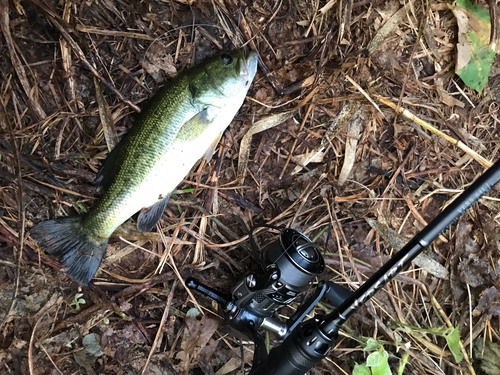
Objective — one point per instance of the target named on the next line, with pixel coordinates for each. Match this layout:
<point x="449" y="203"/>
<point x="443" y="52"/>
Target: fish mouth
<point x="249" y="66"/>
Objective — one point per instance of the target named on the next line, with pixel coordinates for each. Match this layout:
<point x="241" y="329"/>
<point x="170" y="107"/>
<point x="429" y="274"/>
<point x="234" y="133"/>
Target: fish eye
<point x="226" y="59"/>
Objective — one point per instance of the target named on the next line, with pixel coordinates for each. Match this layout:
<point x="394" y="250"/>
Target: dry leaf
<point x="157" y="55"/>
<point x="259" y="126"/>
<point x="197" y="335"/>
<point x="489" y="302"/>
<point x="397" y="241"/>
<point x="107" y="123"/>
<point x="353" y="135"/>
<point x="389" y="27"/>
<point x="308" y="157"/>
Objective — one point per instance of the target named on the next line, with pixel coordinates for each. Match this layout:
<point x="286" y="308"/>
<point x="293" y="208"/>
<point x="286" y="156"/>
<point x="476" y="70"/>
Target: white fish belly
<point x="183" y="155"/>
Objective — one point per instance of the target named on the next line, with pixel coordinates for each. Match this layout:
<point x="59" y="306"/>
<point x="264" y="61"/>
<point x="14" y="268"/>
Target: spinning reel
<point x="289" y="266"/>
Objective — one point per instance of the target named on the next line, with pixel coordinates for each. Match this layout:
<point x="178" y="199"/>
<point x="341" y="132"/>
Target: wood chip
<point x="353" y="134"/>
<point x="108" y="126"/>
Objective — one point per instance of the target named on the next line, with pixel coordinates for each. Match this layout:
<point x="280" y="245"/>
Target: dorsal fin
<point x="109" y="170"/>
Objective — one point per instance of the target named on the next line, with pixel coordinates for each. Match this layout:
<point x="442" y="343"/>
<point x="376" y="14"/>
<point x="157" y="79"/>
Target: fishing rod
<point x="289" y="265"/>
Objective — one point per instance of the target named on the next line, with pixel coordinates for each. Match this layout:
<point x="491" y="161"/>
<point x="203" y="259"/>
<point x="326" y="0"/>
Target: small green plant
<point x="475" y="54"/>
<point x="184" y="191"/>
<point x="452" y="336"/>
<point x="77" y="301"/>
<point x="80" y="206"/>
<point x="377" y="362"/>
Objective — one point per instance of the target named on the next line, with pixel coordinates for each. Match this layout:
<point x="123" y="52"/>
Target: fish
<point x="180" y="124"/>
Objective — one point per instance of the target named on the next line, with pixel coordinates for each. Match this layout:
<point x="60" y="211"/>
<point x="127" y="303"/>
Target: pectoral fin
<point x="211" y="150"/>
<point x="148" y="217"/>
<point x="194" y="127"/>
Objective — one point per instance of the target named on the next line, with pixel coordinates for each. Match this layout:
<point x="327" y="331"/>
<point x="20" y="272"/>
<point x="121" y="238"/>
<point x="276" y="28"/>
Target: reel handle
<point x="337" y="294"/>
<point x="221" y="299"/>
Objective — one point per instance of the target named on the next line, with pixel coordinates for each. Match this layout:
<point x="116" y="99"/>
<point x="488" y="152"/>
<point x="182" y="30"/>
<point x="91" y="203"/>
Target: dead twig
<point x="406" y="113"/>
<point x="16" y="61"/>
<point x="20" y="194"/>
<point x="304" y="120"/>
<point x="115" y="33"/>
<point x="78" y="51"/>
<point x="159" y="332"/>
<point x="30" y="348"/>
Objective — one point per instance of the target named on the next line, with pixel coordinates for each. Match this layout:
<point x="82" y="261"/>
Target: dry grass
<point x="74" y="73"/>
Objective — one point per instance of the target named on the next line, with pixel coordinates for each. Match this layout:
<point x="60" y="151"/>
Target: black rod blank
<point x="402" y="259"/>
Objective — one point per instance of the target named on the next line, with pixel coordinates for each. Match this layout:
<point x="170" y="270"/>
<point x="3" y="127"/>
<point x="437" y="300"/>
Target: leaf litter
<point x="292" y="157"/>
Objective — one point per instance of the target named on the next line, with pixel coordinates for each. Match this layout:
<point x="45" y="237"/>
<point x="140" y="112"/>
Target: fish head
<point x="225" y="79"/>
<point x="231" y="72"/>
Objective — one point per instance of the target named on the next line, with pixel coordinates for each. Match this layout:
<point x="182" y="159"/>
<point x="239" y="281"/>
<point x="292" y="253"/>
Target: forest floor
<point x="331" y="161"/>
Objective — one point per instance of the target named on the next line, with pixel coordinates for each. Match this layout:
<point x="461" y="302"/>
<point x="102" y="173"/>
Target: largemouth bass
<point x="180" y="124"/>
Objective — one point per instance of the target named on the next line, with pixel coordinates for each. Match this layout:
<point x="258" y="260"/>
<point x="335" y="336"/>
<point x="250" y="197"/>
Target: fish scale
<point x="176" y="128"/>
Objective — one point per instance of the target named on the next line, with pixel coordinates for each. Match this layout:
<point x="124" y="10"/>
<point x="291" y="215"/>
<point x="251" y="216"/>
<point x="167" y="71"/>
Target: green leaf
<point x="398" y="339"/>
<point x="443" y="331"/>
<point x="361" y="370"/>
<point x="474" y="54"/>
<point x="379" y="363"/>
<point x="402" y="364"/>
<point x="193" y="312"/>
<point x="77" y="301"/>
<point x="371" y="345"/>
<point x="376" y="358"/>
<point x="383" y="369"/>
<point x="81" y="207"/>
<point x="87" y="357"/>
<point x="453" y="340"/>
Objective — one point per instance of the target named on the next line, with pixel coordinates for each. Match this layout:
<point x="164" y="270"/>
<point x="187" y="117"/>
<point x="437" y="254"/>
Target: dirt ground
<point x="332" y="162"/>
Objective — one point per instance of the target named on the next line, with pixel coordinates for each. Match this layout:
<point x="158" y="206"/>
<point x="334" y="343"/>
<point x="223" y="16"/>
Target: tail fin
<point x="78" y="252"/>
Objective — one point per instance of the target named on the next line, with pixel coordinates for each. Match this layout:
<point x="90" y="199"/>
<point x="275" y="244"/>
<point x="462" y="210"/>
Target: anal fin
<point x="148" y="217"/>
